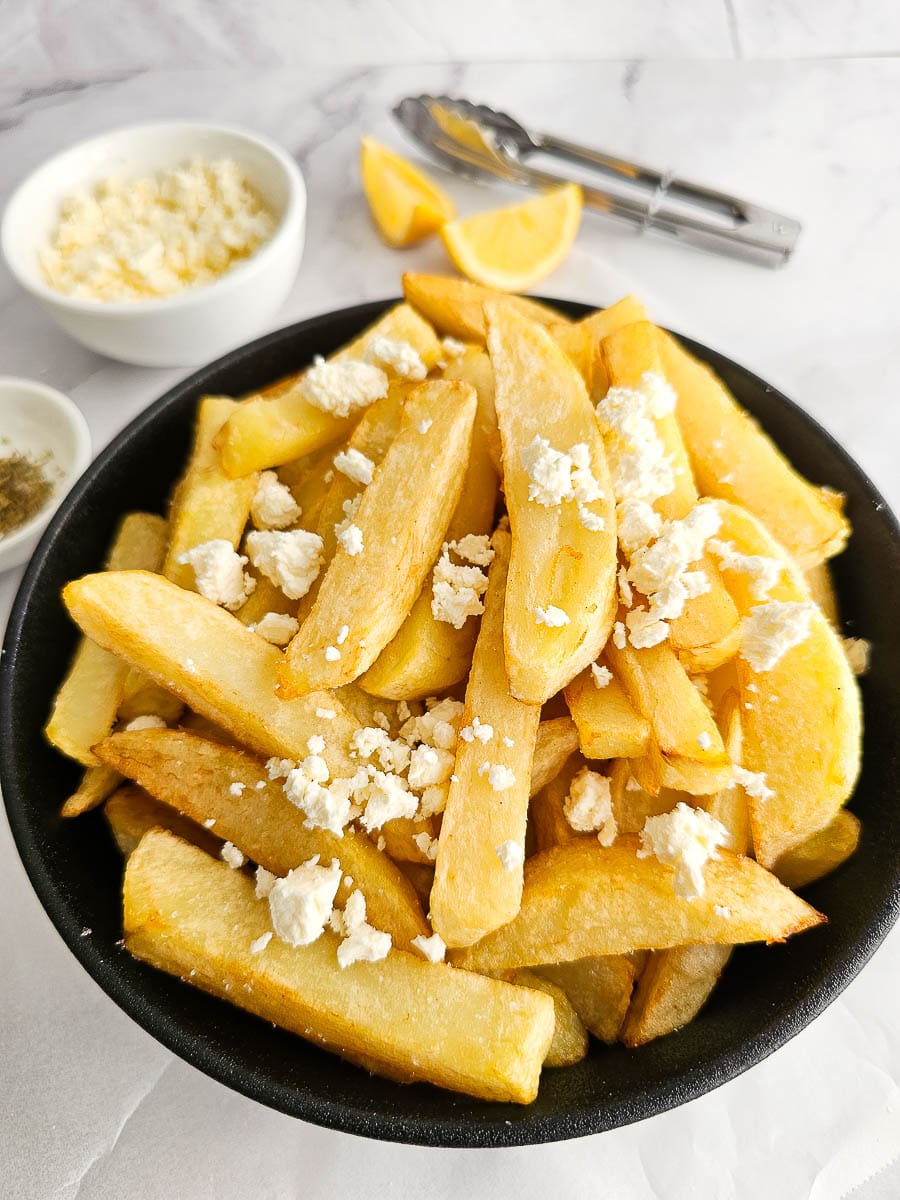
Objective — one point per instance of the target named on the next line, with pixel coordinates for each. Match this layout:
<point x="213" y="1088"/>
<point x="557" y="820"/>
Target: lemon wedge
<point x="406" y="206"/>
<point x="512" y="248"/>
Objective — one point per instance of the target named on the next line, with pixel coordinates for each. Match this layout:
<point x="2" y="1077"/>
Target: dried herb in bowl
<point x="24" y="489"/>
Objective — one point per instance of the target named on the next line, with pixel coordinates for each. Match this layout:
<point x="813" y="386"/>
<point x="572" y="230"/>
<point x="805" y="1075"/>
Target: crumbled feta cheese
<point x="386" y="796"/>
<point x="332" y="654"/>
<point x="508" y="742"/>
<point x="551" y="616"/>
<point x="753" y="783"/>
<point x="645" y="629"/>
<point x="392" y="755"/>
<point x="428" y="766"/>
<point x="602" y="675"/>
<point x="276" y="628"/>
<point x="326" y="714"/>
<point x="499" y="777"/>
<point x="231" y="855"/>
<point x="315" y="744"/>
<point x="434" y="798"/>
<point x="478" y="729"/>
<point x="638" y="524"/>
<point x="704" y="741"/>
<point x="588" y="806"/>
<point x="381" y="719"/>
<point x="555" y="477"/>
<point x="351" y="538"/>
<point x="402" y="358"/>
<point x="770" y="630"/>
<point x="355" y="465"/>
<point x="425" y="424"/>
<point x="661" y="570"/>
<point x="632" y="785"/>
<point x="324" y="806"/>
<point x="156" y="235"/>
<point x="273" y="506"/>
<point x="364" y="944"/>
<point x="301" y="902"/>
<point x="511" y="854"/>
<point x="685" y="838"/>
<point x="857" y="651"/>
<point x="626" y="595"/>
<point x="291" y="559"/>
<point x="219" y="573"/>
<point x="259" y="944"/>
<point x="209" y="822"/>
<point x="342" y="634"/>
<point x="453" y="348"/>
<point x="279" y="768"/>
<point x="150" y="721"/>
<point x="344" y="386"/>
<point x="237" y="789"/>
<point x="764" y="572"/>
<point x="456" y="590"/>
<point x="350" y="508"/>
<point x="639" y="465"/>
<point x="618" y="635"/>
<point x="427" y="844"/>
<point x="432" y="948"/>
<point x="437" y="727"/>
<point x="474" y="548"/>
<point x="722" y="910"/>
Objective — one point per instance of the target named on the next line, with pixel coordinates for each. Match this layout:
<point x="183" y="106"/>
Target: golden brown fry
<point x="131" y="812"/>
<point x="475" y="890"/>
<point x="570" y="1039"/>
<point x="403" y="516"/>
<point x="599" y="990"/>
<point x="556" y="739"/>
<point x="206" y="657"/>
<point x="144" y="698"/>
<point x="556" y="561"/>
<point x="821" y="588"/>
<point x="193" y="776"/>
<point x="268" y="430"/>
<point x="86" y="704"/>
<point x="456" y="307"/>
<point x="631" y="805"/>
<point x="474" y="367"/>
<point x="583" y="899"/>
<point x="96" y="784"/>
<point x="546" y="813"/>
<point x="729" y="806"/>
<point x="421" y="876"/>
<point x="402" y="1016"/>
<point x="724" y="442"/>
<point x="671" y="990"/>
<point x="206" y="504"/>
<point x="608" y="726"/>
<point x="400" y="839"/>
<point x="821" y="853"/>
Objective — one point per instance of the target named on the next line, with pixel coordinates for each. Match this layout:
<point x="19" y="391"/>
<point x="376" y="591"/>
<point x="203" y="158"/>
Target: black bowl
<point x="767" y="994"/>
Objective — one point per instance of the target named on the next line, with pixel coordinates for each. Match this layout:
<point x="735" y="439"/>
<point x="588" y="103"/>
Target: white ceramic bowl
<point x="192" y="326"/>
<point x="37" y="420"/>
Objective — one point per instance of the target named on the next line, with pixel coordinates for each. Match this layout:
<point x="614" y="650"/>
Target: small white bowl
<point x="192" y="326"/>
<point x="37" y="420"/>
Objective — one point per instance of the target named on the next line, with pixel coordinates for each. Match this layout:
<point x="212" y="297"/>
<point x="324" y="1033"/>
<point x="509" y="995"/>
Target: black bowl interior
<point x="767" y="994"/>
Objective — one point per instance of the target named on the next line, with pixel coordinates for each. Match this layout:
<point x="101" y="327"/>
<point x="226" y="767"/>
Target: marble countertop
<point x="734" y="94"/>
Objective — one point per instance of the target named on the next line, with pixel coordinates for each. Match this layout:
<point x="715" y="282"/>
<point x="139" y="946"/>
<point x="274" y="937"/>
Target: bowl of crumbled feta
<point x="160" y="244"/>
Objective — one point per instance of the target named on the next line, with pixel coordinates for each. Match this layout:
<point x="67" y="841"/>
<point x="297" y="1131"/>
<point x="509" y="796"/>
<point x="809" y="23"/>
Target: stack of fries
<point x="479" y="692"/>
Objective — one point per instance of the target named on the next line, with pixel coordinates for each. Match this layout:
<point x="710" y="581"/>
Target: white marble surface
<point x="91" y="1106"/>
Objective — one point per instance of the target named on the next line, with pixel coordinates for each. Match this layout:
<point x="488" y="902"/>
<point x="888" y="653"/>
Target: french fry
<point x="706" y="634"/>
<point x="403" y="516"/>
<point x="96" y="784"/>
<point x="576" y="339"/>
<point x="583" y="899"/>
<point x="207" y="504"/>
<point x="608" y="726"/>
<point x="308" y="479"/>
<point x="86" y="704"/>
<point x="802" y="720"/>
<point x="546" y="812"/>
<point x="426" y="656"/>
<point x="685" y="750"/>
<point x="131" y="812"/>
<point x="556" y="561"/>
<point x="599" y="989"/>
<point x="400" y="839"/>
<point x="570" y="1040"/>
<point x="724" y="442"/>
<point x="267" y="431"/>
<point x="556" y="739"/>
<point x="206" y="657"/>
<point x="144" y="698"/>
<point x="821" y="588"/>
<point x="455" y="307"/>
<point x="474" y="367"/>
<point x="729" y="806"/>
<point x="403" y="1016"/>
<point x="421" y="876"/>
<point x="598" y="325"/>
<point x="193" y="776"/>
<point x="474" y="890"/>
<point x="266" y="597"/>
<point x="821" y="853"/>
<point x="631" y="805"/>
<point x="368" y="710"/>
<point x="672" y="988"/>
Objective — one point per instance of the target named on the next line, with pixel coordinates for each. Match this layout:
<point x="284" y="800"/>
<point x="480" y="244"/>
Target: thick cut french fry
<point x="131" y="812"/>
<point x="404" y="1017"/>
<point x="672" y="988"/>
<point x="821" y="853"/>
<point x="368" y="710"/>
<point x="400" y="836"/>
<point x="821" y="588"/>
<point x="631" y="805"/>
<point x="725" y="443"/>
<point x="599" y="990"/>
<point x="556" y="739"/>
<point x="96" y="784"/>
<point x="706" y="634"/>
<point x="266" y="597"/>
<point x="86" y="704"/>
<point x="144" y="698"/>
<point x="598" y="325"/>
<point x="206" y="504"/>
<point x="476" y="886"/>
<point x="802" y="719"/>
<point x="474" y="367"/>
<point x="546" y="812"/>
<point x="308" y="479"/>
<point x="578" y="343"/>
<point x="583" y="899"/>
<point x="207" y="658"/>
<point x="608" y="726"/>
<point x="729" y="806"/>
<point x="427" y="656"/>
<point x="267" y="431"/>
<point x="570" y="1039"/>
<point x="193" y="776"/>
<point x="402" y="519"/>
<point x="421" y="876"/>
<point x="455" y="307"/>
<point x="556" y="563"/>
<point x="686" y="750"/>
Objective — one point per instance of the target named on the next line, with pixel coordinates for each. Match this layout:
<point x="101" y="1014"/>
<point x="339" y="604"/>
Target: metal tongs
<point x="475" y="141"/>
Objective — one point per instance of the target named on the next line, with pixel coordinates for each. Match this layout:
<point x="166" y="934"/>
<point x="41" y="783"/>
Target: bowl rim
<point x="657" y="1096"/>
<point x="192" y="297"/>
<point x="81" y="459"/>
